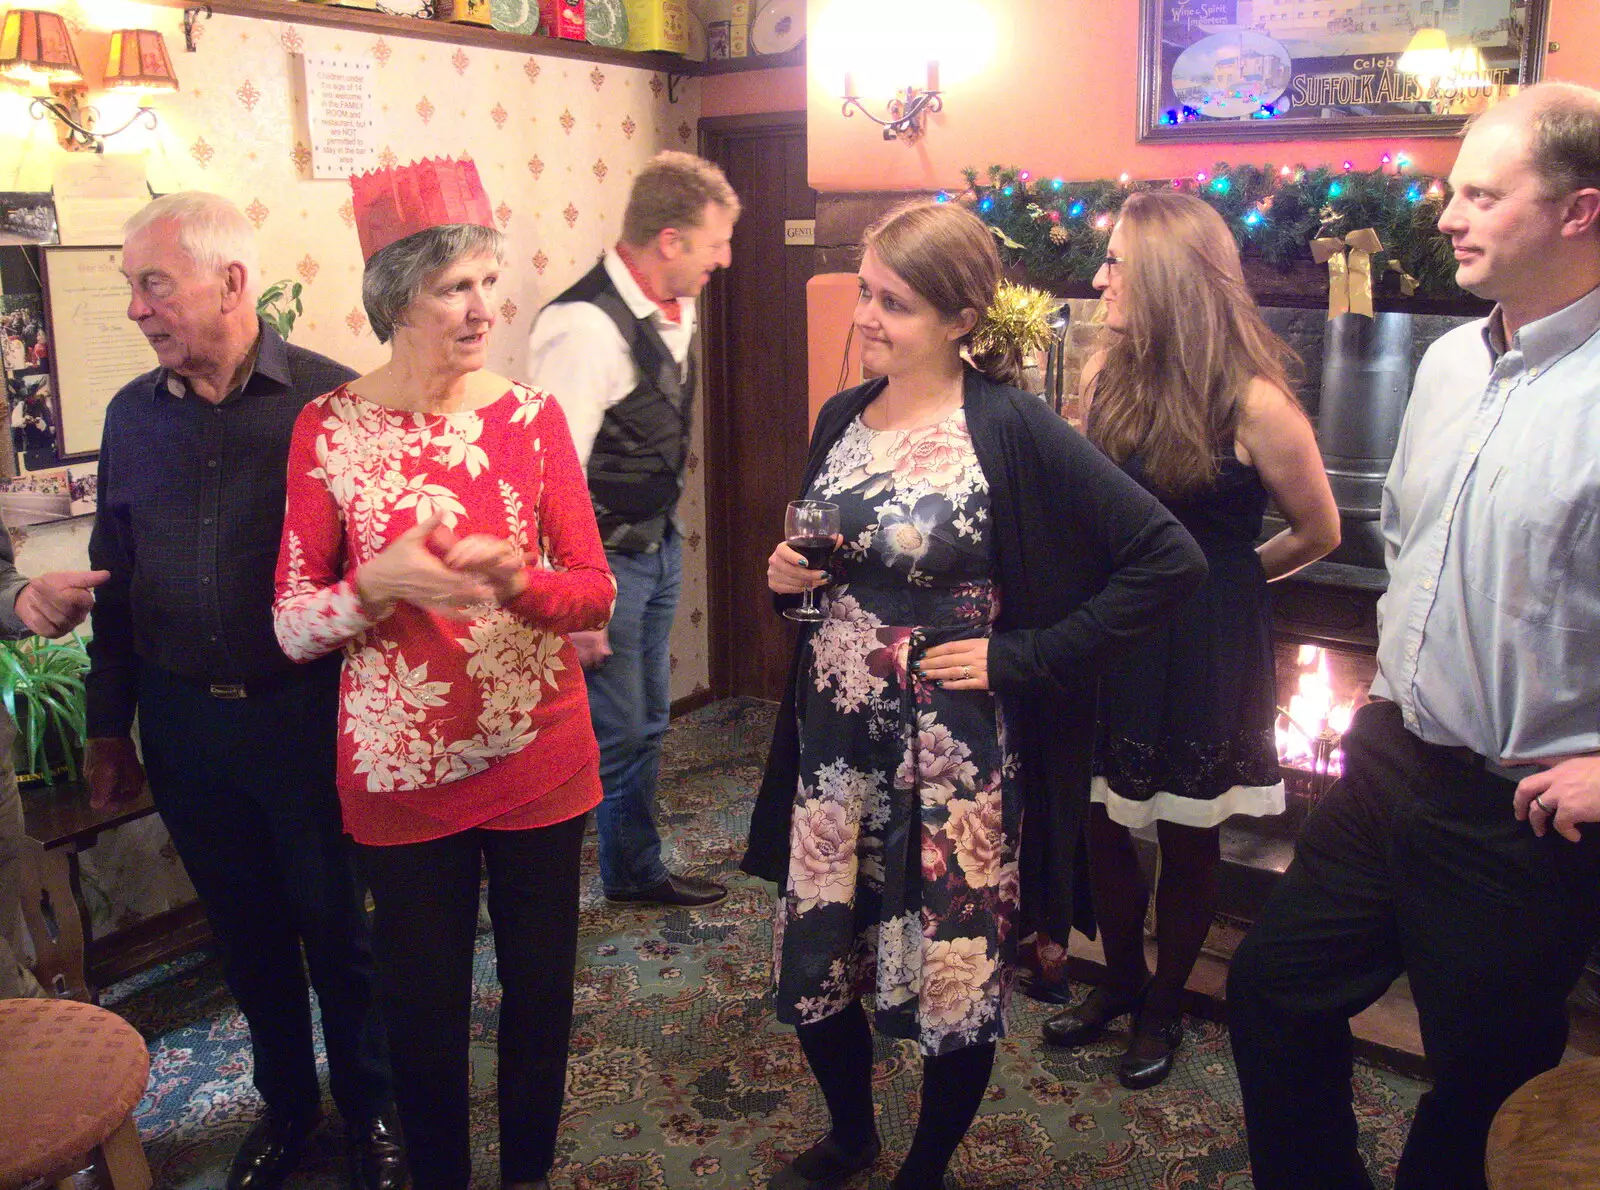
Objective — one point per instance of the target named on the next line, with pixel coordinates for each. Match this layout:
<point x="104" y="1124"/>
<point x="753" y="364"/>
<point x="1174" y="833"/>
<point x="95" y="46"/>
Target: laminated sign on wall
<point x="339" y="109"/>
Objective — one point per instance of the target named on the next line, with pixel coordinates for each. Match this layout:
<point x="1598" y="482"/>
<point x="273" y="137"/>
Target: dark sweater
<point x="1087" y="561"/>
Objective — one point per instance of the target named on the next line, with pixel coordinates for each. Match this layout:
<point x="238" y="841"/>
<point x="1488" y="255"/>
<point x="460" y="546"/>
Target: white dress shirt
<point x="577" y="354"/>
<point x="1489" y="632"/>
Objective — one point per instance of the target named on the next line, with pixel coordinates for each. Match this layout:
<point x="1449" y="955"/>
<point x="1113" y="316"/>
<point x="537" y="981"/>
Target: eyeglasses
<point x="1111" y="261"/>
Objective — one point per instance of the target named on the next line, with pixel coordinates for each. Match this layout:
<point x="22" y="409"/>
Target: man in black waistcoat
<point x="238" y="741"/>
<point x="614" y="350"/>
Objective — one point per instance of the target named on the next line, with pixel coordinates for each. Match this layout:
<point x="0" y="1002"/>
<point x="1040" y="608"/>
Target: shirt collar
<point x="1545" y="341"/>
<point x="639" y="302"/>
<point x="271" y="362"/>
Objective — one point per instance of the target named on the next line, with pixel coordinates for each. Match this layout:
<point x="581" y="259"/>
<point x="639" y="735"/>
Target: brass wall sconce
<point x="35" y="47"/>
<point x="907" y="113"/>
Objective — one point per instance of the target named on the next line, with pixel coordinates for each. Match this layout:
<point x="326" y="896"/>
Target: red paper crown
<point x="391" y="204"/>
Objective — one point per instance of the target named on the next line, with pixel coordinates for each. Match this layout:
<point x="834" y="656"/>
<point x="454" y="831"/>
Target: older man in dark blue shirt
<point x="237" y="740"/>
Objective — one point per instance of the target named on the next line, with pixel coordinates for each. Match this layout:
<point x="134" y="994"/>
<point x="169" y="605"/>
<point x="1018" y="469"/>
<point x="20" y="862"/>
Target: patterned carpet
<point x="681" y="1078"/>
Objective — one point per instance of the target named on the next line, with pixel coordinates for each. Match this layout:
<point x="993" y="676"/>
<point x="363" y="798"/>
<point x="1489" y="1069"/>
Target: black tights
<point x="1186" y="901"/>
<point x="839" y="1049"/>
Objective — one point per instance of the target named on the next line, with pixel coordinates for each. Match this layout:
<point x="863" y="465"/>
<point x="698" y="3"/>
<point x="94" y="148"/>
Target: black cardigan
<point x="1087" y="561"/>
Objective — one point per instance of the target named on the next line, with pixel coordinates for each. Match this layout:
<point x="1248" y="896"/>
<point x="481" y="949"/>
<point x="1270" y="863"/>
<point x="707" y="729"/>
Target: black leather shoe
<point x="825" y="1165"/>
<point x="689" y="892"/>
<point x="271" y="1149"/>
<point x="1083" y="1022"/>
<point x="1045" y="991"/>
<point x="377" y="1160"/>
<point x="1148" y="1059"/>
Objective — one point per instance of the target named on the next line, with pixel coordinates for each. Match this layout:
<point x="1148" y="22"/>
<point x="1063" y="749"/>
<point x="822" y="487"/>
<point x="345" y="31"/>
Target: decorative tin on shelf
<point x="563" y="18"/>
<point x="658" y="25"/>
<point x="465" y="12"/>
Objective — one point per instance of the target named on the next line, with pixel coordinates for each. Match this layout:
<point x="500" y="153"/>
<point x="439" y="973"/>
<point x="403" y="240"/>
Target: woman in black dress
<point x="990" y="559"/>
<point x="1190" y="395"/>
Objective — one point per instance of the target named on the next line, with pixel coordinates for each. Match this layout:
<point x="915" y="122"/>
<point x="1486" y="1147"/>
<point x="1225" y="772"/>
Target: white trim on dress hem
<point x="1258" y="801"/>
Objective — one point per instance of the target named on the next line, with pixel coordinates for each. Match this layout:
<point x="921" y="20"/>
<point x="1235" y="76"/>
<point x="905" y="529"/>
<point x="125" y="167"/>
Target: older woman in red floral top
<point x="439" y="531"/>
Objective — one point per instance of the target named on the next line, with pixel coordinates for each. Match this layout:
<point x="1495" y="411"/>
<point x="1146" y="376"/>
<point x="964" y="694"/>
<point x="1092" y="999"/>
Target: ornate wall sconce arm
<point x="908" y="112"/>
<point x="190" y="16"/>
<point x="78" y="122"/>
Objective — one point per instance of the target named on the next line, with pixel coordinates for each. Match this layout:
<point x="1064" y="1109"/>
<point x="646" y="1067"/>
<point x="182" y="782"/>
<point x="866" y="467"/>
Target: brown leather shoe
<point x="687" y="892"/>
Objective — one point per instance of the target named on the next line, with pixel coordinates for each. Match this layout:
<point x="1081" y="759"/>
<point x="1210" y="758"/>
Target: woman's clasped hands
<point x="431" y="568"/>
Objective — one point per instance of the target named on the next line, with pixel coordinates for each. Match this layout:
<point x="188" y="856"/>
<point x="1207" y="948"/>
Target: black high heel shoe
<point x="1148" y="1058"/>
<point x="1083" y="1022"/>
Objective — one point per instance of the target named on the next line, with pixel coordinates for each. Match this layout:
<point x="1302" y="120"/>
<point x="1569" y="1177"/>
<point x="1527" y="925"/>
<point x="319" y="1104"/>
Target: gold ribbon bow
<point x="1349" y="262"/>
<point x="1408" y="283"/>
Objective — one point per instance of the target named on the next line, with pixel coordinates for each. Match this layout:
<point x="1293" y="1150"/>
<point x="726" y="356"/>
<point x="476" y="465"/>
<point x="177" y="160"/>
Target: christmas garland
<point x="1056" y="231"/>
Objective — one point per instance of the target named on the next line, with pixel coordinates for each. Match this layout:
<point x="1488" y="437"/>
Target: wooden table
<point x="59" y="823"/>
<point x="1547" y="1135"/>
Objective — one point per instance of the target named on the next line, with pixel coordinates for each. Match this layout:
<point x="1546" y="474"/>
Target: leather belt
<point x="1463" y="755"/>
<point x="227" y="690"/>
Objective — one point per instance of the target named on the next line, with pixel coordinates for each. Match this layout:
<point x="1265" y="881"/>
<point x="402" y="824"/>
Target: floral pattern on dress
<point x="903" y="840"/>
<point x="426" y="700"/>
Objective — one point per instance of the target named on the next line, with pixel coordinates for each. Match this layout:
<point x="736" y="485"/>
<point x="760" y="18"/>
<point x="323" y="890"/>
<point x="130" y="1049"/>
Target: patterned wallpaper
<point x="556" y="142"/>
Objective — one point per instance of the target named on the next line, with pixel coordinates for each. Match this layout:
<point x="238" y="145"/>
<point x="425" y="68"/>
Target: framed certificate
<point x="95" y="349"/>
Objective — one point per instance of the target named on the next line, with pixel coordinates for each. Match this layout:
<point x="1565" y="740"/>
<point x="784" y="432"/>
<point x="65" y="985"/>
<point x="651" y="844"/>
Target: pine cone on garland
<point x="1059" y="235"/>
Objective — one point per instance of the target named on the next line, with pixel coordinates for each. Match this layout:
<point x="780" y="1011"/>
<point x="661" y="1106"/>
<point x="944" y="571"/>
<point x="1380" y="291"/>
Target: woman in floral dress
<point x="893" y="808"/>
<point x="439" y="532"/>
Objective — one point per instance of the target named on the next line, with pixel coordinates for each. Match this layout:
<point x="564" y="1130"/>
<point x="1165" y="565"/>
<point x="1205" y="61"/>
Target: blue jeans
<point x="629" y="704"/>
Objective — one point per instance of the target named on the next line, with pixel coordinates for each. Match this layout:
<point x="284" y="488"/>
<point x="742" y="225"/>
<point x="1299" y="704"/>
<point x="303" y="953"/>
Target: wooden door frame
<point x="715" y="134"/>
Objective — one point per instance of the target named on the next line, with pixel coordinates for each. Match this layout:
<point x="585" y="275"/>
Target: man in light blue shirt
<point x="1453" y="850"/>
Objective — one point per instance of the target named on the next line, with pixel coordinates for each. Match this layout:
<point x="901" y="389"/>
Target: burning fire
<point x="1308" y="730"/>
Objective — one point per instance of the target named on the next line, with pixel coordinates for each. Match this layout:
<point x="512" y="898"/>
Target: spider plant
<point x="41" y="684"/>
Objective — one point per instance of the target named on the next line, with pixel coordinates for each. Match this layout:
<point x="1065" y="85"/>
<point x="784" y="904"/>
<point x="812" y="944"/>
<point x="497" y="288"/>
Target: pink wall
<point x="754" y="92"/>
<point x="1059" y="98"/>
<point x="830" y="302"/>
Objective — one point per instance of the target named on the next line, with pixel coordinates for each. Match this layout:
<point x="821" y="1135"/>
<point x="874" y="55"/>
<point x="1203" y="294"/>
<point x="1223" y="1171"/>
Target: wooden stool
<point x="1547" y="1135"/>
<point x="70" y="1076"/>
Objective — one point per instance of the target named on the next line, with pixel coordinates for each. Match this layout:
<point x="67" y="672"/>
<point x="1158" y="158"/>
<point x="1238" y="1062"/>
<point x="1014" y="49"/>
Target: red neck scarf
<point x="670" y="308"/>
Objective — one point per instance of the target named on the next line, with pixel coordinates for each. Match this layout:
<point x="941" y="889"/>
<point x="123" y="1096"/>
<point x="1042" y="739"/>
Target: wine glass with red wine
<point x="810" y="527"/>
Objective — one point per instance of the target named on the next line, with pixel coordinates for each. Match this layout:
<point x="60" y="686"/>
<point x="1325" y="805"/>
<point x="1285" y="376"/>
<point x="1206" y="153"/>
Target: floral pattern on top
<point x="427" y="700"/>
<point x="903" y="840"/>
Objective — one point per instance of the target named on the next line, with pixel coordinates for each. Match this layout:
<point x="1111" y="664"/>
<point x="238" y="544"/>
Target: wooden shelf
<point x="369" y="21"/>
<point x="794" y="57"/>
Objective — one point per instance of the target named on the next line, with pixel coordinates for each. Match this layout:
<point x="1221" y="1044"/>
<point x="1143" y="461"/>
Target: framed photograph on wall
<point x="1230" y="70"/>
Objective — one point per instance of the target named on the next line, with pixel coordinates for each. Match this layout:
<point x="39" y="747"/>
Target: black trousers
<point x="425" y="899"/>
<point x="246" y="789"/>
<point x="1414" y="862"/>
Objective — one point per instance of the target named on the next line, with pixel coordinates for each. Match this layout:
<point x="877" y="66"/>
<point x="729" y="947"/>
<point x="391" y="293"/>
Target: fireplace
<point x="1319" y="691"/>
<point x="1325" y="639"/>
